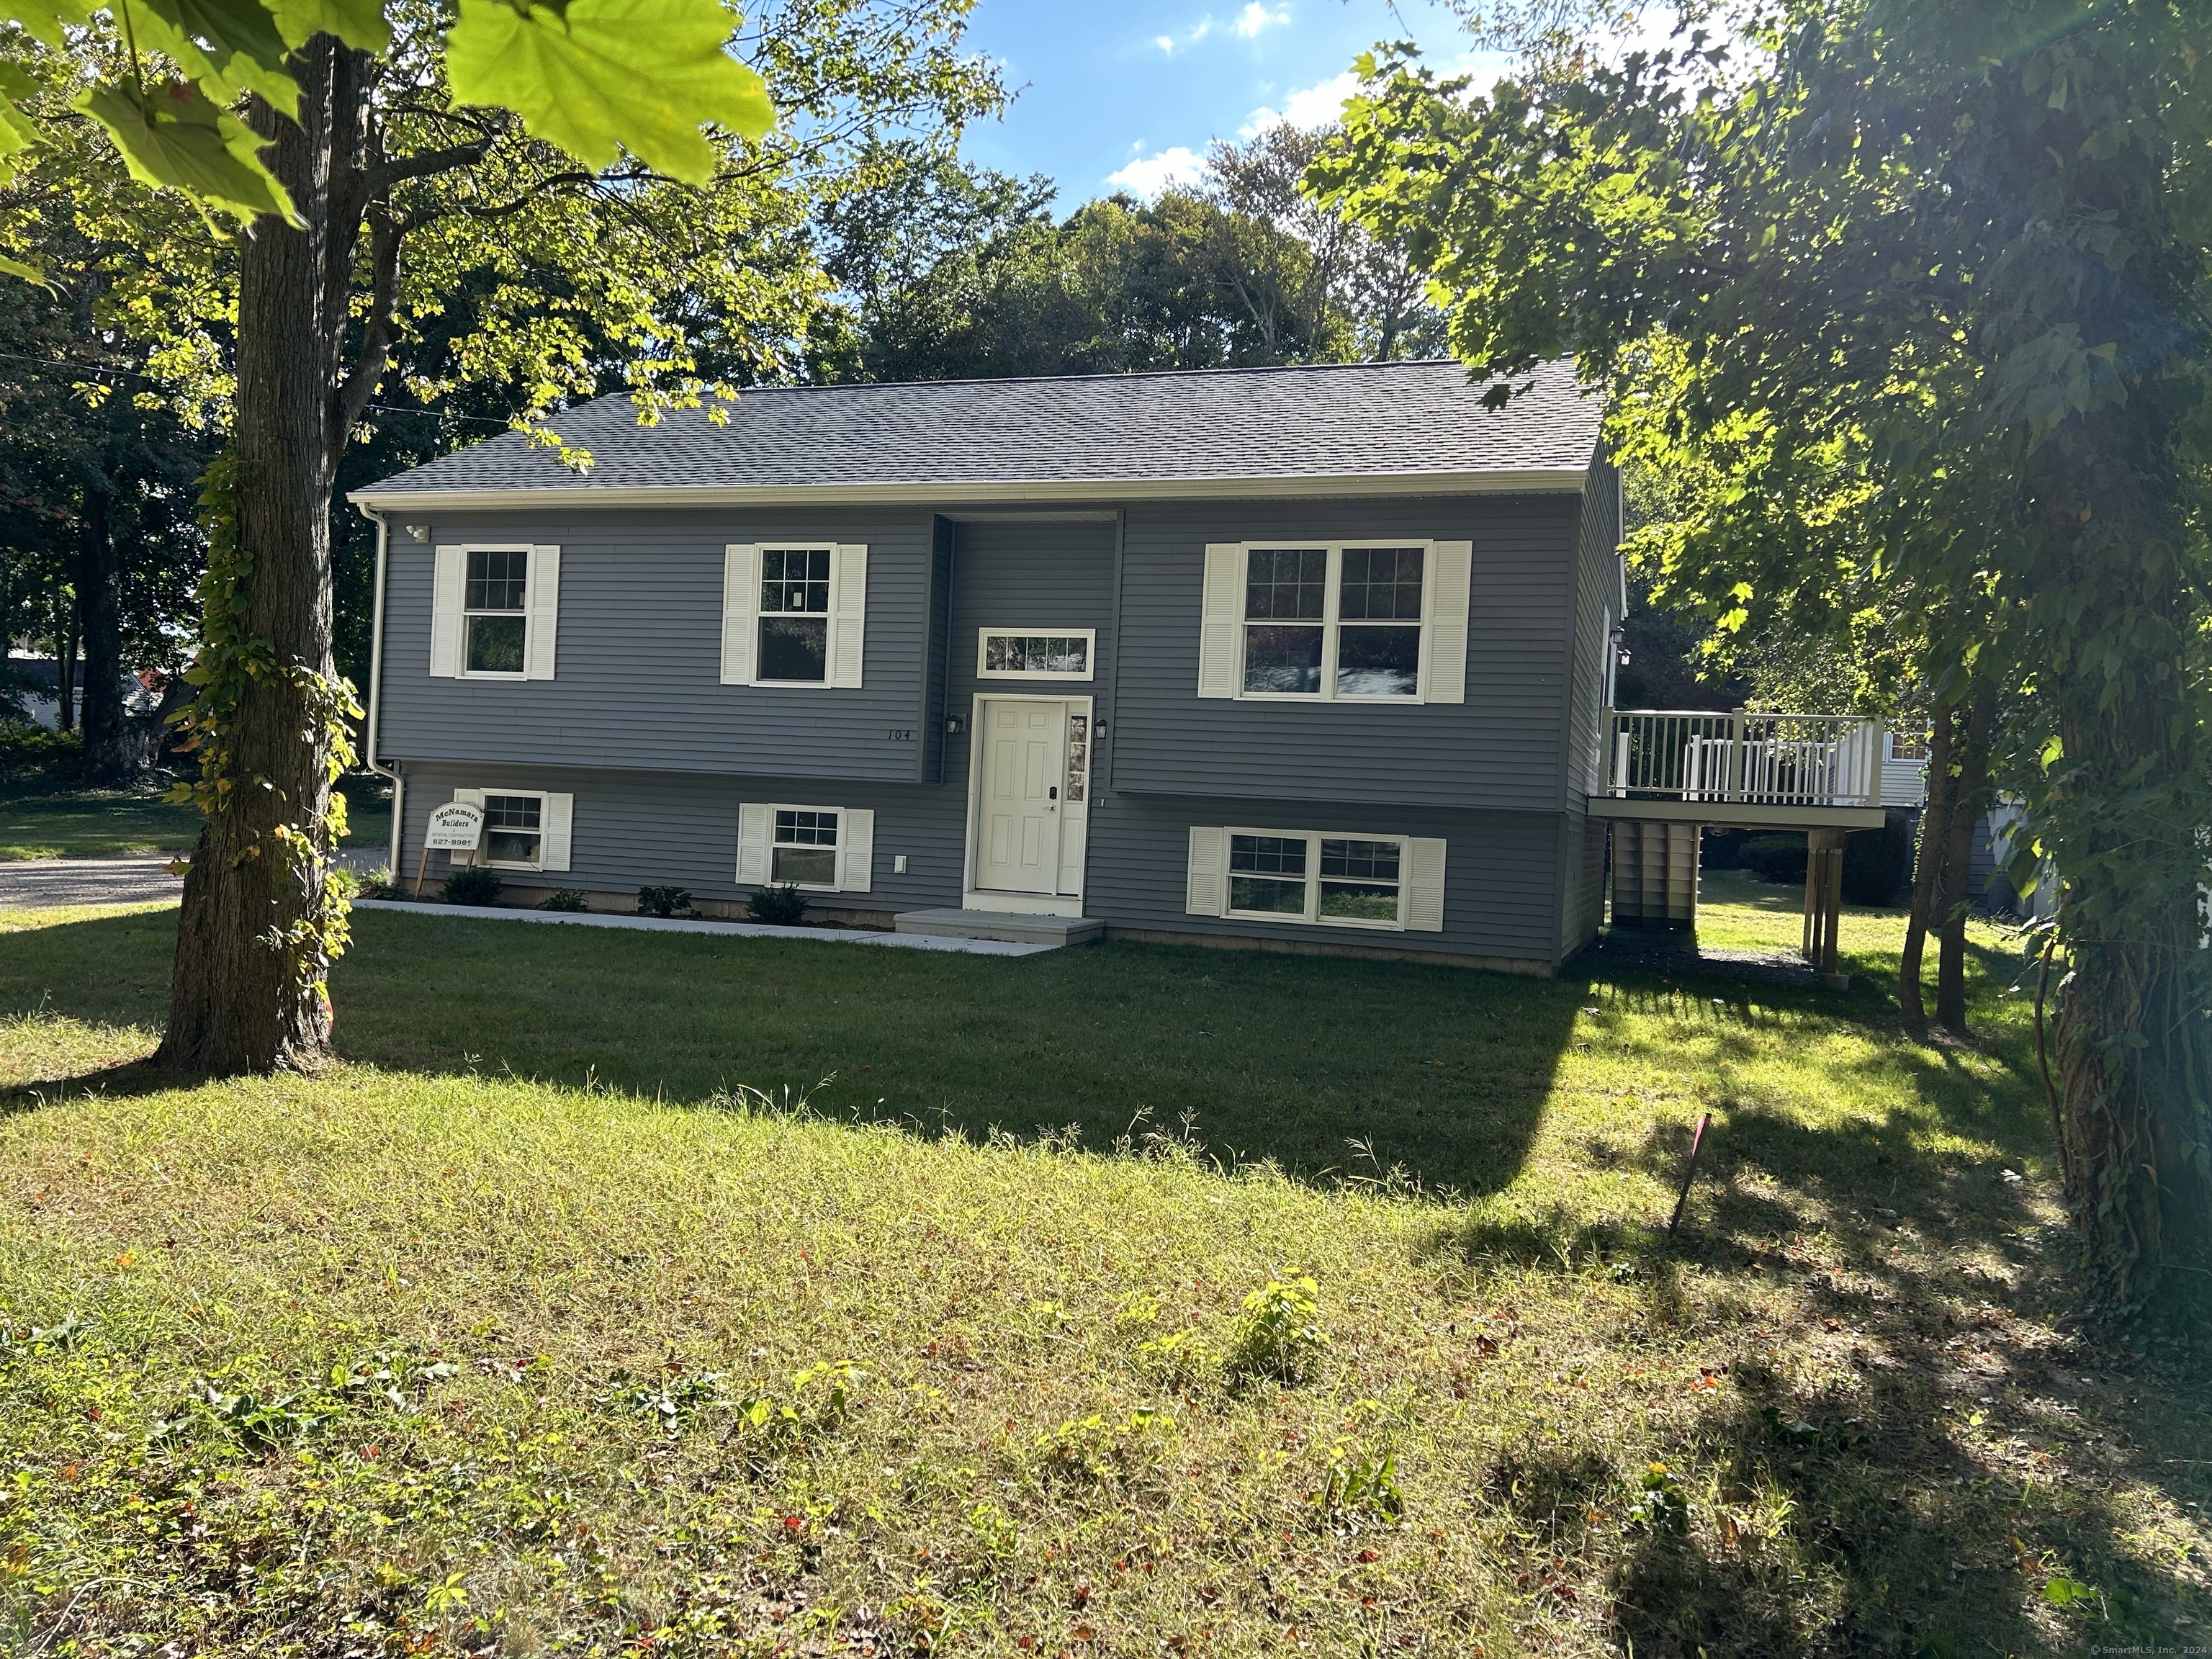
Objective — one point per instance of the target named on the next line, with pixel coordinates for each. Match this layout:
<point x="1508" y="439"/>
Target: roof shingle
<point x="1349" y="421"/>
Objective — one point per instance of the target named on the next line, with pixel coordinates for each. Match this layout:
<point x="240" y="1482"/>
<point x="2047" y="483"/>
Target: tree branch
<point x="352" y="396"/>
<point x="428" y="163"/>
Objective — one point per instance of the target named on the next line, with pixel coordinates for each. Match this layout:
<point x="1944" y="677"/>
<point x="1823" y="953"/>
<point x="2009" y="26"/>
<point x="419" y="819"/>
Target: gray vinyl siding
<point x="1597" y="599"/>
<point x="1500" y="871"/>
<point x="637" y="679"/>
<point x="1500" y="749"/>
<point x="634" y="829"/>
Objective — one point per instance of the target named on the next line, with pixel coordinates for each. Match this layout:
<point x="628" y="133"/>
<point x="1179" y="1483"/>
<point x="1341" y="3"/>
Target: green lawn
<point x="45" y="816"/>
<point x="1842" y="1415"/>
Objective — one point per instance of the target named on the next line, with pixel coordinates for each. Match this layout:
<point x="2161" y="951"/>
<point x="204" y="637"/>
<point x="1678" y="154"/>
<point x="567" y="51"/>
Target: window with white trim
<point x="1050" y="655"/>
<point x="826" y="849"/>
<point x="1336" y="621"/>
<point x="495" y="609"/>
<point x="1319" y="877"/>
<point x="1332" y="879"/>
<point x="523" y="829"/>
<point x="495" y="612"/>
<point x="1333" y="621"/>
<point x="514" y="830"/>
<point x="794" y="615"/>
<point x="803" y="851"/>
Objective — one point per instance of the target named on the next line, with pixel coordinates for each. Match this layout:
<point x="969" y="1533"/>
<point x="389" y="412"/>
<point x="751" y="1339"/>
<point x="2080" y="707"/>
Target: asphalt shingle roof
<point x="1336" y="421"/>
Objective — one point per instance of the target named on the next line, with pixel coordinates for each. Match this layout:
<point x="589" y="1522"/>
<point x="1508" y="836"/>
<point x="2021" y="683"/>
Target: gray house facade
<point x="1308" y="658"/>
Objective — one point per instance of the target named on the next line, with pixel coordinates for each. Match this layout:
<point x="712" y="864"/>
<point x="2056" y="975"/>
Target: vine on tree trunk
<point x="229" y="660"/>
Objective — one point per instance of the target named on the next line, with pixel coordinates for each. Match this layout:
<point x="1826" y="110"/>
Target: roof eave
<point x="1520" y="481"/>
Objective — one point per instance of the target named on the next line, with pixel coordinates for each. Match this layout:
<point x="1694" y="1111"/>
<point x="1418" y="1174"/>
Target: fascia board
<point x="1554" y="480"/>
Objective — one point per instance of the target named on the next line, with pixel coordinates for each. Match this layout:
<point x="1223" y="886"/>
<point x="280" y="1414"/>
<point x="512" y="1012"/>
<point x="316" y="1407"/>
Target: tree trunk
<point x="255" y="937"/>
<point x="65" y="661"/>
<point x="100" y="599"/>
<point x="1969" y="801"/>
<point x="1927" y="869"/>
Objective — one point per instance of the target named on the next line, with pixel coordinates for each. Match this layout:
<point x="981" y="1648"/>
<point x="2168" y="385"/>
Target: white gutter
<point x="376" y="682"/>
<point x="1543" y="480"/>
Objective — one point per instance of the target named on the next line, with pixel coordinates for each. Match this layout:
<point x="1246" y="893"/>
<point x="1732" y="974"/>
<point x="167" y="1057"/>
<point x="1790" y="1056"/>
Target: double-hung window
<point x="496" y="607"/>
<point x="1319" y="877"/>
<point x="1336" y="621"/>
<point x="523" y="829"/>
<point x="794" y="615"/>
<point x="823" y="848"/>
<point x="495" y="612"/>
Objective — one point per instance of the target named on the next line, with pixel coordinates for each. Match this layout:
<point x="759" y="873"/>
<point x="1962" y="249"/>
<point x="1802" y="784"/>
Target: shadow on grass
<point x="1324" y="1066"/>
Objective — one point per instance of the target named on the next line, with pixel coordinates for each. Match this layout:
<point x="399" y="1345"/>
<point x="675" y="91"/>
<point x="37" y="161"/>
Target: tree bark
<point x="247" y="991"/>
<point x="100" y="599"/>
<point x="1969" y="801"/>
<point x="1927" y="869"/>
<point x="65" y="661"/>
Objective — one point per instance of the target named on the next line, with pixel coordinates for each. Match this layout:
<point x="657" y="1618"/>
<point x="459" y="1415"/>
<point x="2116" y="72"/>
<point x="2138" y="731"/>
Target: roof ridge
<point x="1098" y="374"/>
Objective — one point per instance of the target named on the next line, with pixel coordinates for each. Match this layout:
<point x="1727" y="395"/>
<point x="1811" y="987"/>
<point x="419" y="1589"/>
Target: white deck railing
<point x="1768" y="760"/>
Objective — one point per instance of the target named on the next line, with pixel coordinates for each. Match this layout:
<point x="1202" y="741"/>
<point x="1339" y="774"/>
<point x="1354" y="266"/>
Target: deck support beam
<point x="1824" y="903"/>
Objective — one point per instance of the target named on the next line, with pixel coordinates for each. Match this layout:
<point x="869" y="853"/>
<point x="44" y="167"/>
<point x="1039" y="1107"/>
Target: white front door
<point x="1019" y="809"/>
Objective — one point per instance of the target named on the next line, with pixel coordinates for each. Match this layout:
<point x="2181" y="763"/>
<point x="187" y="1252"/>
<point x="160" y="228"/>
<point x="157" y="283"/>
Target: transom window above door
<point x="495" y="609"/>
<point x="1056" y="654"/>
<point x="1336" y="621"/>
<point x="794" y="622"/>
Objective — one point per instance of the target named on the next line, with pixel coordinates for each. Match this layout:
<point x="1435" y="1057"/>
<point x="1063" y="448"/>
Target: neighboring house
<point x="1310" y="658"/>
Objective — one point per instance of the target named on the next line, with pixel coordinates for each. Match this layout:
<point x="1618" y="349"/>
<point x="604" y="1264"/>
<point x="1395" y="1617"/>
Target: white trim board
<point x="1520" y="481"/>
<point x="979" y="947"/>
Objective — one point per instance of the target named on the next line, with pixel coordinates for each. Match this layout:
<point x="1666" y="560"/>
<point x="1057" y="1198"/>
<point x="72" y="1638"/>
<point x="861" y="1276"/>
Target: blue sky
<point x="1128" y="95"/>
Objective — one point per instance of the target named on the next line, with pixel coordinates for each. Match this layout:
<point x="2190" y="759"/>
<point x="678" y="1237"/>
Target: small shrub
<point x="26" y="746"/>
<point x="664" y="900"/>
<point x="1095" y="1449"/>
<point x="1278" y="1334"/>
<point x="1775" y="858"/>
<point x="1661" y="1504"/>
<point x="1363" y="1485"/>
<point x="779" y="907"/>
<point x="565" y="898"/>
<point x="471" y="884"/>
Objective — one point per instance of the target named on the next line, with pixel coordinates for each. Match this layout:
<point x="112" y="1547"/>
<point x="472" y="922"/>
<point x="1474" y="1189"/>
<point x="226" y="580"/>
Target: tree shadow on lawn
<point x="1326" y="1065"/>
<point x="1903" y="1380"/>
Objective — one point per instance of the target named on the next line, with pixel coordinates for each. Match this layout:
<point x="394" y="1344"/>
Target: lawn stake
<point x="1690" y="1169"/>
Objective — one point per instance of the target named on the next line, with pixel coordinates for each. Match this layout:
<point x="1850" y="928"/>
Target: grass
<point x="529" y="1330"/>
<point x="45" y="816"/>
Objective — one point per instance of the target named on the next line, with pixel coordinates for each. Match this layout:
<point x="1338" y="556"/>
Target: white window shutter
<point x="741" y="613"/>
<point x="448" y="583"/>
<point x="1451" y="580"/>
<point x="856" y="849"/>
<point x="1424" y="885"/>
<point x="543" y="616"/>
<point x="559" y="818"/>
<point x="848" y="614"/>
<point x="756" y="826"/>
<point x="1206" y="888"/>
<point x="1221" y="614"/>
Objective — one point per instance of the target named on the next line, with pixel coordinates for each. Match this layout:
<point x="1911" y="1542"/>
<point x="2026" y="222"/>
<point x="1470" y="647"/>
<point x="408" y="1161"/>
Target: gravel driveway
<point x="29" y="884"/>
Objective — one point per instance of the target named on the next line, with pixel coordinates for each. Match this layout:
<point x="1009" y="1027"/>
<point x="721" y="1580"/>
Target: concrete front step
<point x="1000" y="925"/>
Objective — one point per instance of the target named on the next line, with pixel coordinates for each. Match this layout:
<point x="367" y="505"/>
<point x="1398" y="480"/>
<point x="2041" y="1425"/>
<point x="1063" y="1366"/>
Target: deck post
<point x="1824" y="903"/>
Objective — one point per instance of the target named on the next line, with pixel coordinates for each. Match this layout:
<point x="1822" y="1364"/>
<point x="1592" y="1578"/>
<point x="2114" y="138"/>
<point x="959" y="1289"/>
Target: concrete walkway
<point x="130" y="879"/>
<point x="978" y="947"/>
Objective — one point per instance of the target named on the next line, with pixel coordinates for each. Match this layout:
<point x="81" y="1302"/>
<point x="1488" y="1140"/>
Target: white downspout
<point x="376" y="686"/>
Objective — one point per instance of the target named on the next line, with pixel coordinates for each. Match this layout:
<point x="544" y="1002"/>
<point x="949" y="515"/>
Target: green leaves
<point x="178" y="139"/>
<point x="44" y="21"/>
<point x="359" y="23"/>
<point x="227" y="48"/>
<point x="18" y="132"/>
<point x="598" y="76"/>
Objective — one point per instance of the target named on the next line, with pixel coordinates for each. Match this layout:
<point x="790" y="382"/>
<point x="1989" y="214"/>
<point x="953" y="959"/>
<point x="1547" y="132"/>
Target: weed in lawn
<point x="1279" y="1333"/>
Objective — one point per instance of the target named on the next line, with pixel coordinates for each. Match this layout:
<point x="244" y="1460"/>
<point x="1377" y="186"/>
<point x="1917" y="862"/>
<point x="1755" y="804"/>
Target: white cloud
<point x="1256" y="17"/>
<point x="1308" y="107"/>
<point x="1148" y="175"/>
<point x="1197" y="32"/>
